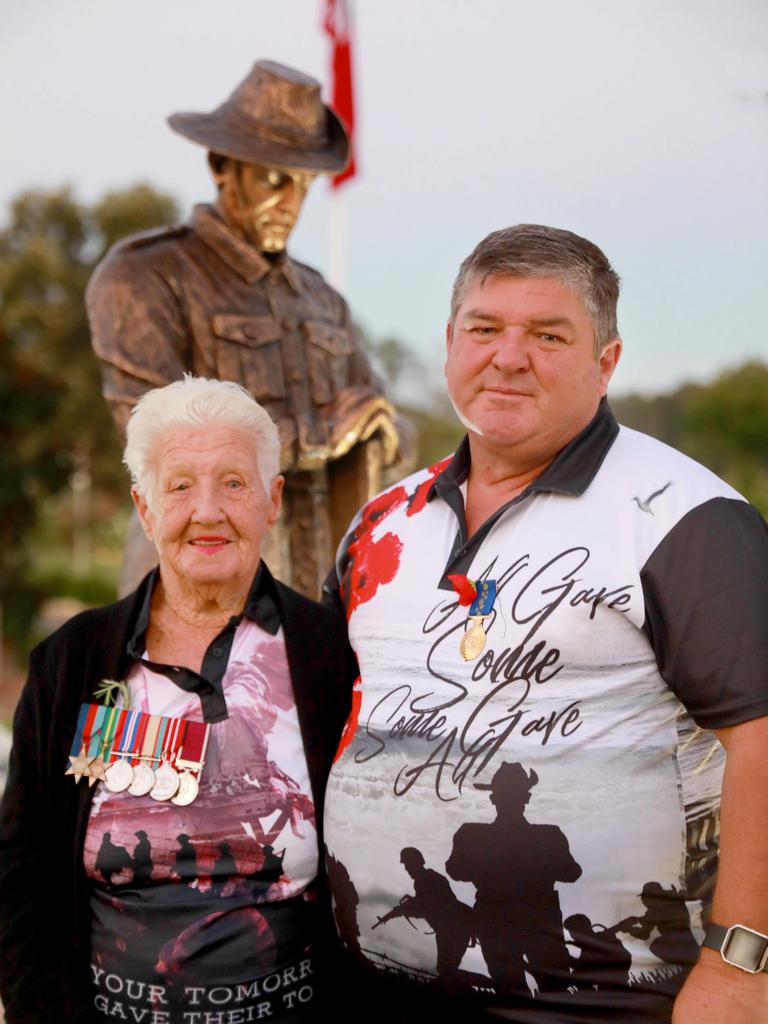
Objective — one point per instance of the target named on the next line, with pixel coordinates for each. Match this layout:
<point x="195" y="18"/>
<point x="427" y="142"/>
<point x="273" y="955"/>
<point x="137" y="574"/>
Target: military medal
<point x="187" y="791"/>
<point x="119" y="775"/>
<point x="480" y="608"/>
<point x="98" y="767"/>
<point x="473" y="639"/>
<point x="166" y="783"/>
<point x="86" y="744"/>
<point x="195" y="744"/>
<point x="79" y="764"/>
<point x="146" y="737"/>
<point x="140" y="753"/>
<point x="166" y="776"/>
<point x="143" y="779"/>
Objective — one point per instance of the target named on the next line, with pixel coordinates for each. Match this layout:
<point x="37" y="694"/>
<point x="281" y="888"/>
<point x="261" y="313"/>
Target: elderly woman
<point x="170" y="874"/>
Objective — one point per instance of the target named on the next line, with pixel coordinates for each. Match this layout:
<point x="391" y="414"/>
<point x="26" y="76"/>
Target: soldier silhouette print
<point x="345" y="901"/>
<point x="602" y="960"/>
<point x="514" y="866"/>
<point x="436" y="903"/>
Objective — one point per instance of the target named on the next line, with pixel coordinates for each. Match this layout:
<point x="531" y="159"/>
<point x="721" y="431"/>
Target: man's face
<point x="521" y="368"/>
<point x="261" y="203"/>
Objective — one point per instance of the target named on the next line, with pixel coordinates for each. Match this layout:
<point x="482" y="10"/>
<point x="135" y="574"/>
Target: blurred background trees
<point x="63" y="491"/>
<point x="62" y="486"/>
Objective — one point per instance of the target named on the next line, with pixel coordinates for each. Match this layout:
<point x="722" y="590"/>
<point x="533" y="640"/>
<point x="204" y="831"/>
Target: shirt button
<point x="296" y="376"/>
<point x="217" y="652"/>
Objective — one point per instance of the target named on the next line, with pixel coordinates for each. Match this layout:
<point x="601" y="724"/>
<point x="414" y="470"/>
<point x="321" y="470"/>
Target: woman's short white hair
<point x="195" y="402"/>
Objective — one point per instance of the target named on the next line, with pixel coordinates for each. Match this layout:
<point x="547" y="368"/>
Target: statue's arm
<point x="138" y="329"/>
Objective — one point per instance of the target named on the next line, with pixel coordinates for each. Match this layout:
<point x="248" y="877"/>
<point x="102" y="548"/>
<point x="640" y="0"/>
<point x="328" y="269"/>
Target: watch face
<point x="745" y="949"/>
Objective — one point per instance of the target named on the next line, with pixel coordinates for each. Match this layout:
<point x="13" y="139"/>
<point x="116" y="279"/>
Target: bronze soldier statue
<point x="220" y="297"/>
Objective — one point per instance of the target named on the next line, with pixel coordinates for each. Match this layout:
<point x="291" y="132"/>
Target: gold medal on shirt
<point x="473" y="639"/>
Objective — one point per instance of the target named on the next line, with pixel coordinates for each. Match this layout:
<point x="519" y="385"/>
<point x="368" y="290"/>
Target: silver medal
<point x="118" y="776"/>
<point x="143" y="780"/>
<point x="166" y="783"/>
<point x="188" y="789"/>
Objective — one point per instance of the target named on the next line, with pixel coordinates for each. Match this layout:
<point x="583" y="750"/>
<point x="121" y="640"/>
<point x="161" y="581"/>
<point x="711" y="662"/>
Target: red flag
<point x="336" y="25"/>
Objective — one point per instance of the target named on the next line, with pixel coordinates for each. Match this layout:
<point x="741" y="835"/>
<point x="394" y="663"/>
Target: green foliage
<point x="723" y="425"/>
<point x="54" y="422"/>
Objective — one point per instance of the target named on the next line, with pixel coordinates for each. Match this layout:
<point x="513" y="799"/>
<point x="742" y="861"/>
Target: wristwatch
<point x="739" y="946"/>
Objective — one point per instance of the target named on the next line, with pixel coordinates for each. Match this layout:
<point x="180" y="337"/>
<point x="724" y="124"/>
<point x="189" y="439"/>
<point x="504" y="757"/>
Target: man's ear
<point x="608" y="361"/>
<point x="142" y="510"/>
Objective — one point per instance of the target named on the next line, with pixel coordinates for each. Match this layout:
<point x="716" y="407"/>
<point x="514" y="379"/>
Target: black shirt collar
<point x="260" y="607"/>
<point x="571" y="472"/>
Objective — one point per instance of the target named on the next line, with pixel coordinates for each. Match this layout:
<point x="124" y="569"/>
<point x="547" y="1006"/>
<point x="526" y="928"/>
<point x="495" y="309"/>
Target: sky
<point x="643" y="126"/>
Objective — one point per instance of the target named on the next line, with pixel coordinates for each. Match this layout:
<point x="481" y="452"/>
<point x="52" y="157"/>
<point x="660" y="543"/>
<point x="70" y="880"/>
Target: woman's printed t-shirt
<point x="203" y="913"/>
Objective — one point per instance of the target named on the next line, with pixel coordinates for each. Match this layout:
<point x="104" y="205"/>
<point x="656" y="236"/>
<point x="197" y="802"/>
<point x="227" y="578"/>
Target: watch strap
<point x="739" y="946"/>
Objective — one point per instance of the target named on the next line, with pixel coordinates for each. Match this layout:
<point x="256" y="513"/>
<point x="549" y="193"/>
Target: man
<point x="572" y="597"/>
<point x="219" y="297"/>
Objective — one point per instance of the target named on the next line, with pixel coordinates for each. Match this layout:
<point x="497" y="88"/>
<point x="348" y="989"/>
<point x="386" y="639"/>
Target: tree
<point x="723" y="424"/>
<point x="54" y="421"/>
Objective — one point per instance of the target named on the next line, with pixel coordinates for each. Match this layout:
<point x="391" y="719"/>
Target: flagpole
<point x="337" y="240"/>
<point x="336" y="25"/>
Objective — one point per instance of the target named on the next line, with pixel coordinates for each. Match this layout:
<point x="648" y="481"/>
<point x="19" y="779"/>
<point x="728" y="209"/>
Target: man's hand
<point x="716" y="993"/>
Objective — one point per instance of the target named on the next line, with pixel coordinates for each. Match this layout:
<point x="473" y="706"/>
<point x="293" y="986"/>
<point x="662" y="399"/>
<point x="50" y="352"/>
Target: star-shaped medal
<point x="96" y="771"/>
<point x="80" y="765"/>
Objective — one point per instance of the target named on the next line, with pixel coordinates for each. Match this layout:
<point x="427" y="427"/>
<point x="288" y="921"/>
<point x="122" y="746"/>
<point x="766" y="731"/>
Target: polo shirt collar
<point x="260" y="607"/>
<point x="243" y="258"/>
<point x="571" y="472"/>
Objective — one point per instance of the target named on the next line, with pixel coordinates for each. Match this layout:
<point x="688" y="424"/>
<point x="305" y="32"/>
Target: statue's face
<point x="261" y="203"/>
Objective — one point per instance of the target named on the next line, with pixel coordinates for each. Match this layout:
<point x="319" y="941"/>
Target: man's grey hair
<point x="534" y="250"/>
<point x="197" y="402"/>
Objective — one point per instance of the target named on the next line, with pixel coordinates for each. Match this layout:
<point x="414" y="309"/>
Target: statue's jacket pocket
<point x="248" y="351"/>
<point x="328" y="356"/>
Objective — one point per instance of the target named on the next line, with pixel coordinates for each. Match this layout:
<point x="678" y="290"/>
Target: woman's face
<point x="209" y="510"/>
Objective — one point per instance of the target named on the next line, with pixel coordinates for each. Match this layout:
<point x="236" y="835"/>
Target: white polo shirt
<point x="630" y="620"/>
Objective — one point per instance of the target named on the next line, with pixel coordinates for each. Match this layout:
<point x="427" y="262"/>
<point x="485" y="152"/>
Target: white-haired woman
<point x="171" y="875"/>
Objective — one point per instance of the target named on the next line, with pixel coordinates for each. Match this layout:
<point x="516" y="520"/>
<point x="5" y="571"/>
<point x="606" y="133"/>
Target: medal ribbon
<point x="128" y="735"/>
<point x="172" y="737"/>
<point x="137" y="750"/>
<point x="195" y="742"/>
<point x="162" y="732"/>
<point x="109" y="732"/>
<point x="486" y="597"/>
<point x="77" y="742"/>
<point x="151" y="727"/>
<point x="96" y="733"/>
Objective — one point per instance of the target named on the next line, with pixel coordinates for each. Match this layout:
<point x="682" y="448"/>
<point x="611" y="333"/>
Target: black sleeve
<point x="706" y="601"/>
<point x="30" y="971"/>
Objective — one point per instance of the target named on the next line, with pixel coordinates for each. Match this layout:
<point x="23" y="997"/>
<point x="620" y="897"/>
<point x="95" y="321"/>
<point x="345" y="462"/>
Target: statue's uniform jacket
<point x="196" y="298"/>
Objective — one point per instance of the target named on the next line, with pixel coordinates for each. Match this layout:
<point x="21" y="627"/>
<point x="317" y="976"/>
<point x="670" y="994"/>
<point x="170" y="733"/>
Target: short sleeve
<point x="705" y="588"/>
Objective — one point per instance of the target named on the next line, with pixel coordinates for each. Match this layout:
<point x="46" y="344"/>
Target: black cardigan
<point x="44" y="898"/>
